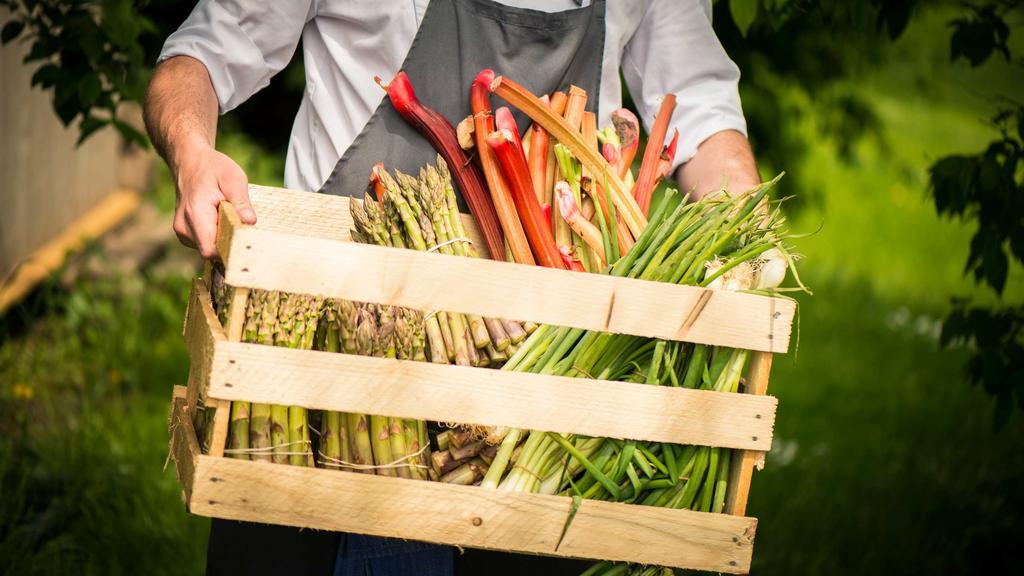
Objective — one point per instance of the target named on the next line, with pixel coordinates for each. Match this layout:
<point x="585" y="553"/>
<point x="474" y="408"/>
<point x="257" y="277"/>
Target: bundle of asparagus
<point x="422" y="214"/>
<point x="373" y="444"/>
<point x="277" y="434"/>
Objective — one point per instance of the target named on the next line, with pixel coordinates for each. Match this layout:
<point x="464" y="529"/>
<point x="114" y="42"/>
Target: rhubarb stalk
<point x="627" y="128"/>
<point x="518" y="179"/>
<point x="646" y="181"/>
<point x="537" y="159"/>
<point x="557" y="103"/>
<point x="571" y="212"/>
<point x="442" y="137"/>
<point x="529" y="104"/>
<point x="504" y="206"/>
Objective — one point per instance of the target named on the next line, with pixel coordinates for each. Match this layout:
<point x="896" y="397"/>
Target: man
<point x="227" y="51"/>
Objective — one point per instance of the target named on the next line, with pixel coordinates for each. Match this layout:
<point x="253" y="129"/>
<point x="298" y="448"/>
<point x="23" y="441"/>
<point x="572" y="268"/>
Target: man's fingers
<point x="202" y="219"/>
<point x="182" y="230"/>
<point x="235" y="187"/>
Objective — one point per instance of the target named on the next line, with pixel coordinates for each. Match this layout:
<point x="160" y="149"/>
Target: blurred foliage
<point x="94" y="55"/>
<point x="91" y="57"/>
<point x="818" y="46"/>
<point x="793" y="52"/>
<point x="988" y="188"/>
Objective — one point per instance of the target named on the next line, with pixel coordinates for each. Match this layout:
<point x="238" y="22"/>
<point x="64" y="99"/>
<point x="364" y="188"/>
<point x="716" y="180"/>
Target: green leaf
<point x="46" y="76"/>
<point x="88" y="127"/>
<point x="744" y="12"/>
<point x="88" y="90"/>
<point x="11" y="31"/>
<point x="130" y="134"/>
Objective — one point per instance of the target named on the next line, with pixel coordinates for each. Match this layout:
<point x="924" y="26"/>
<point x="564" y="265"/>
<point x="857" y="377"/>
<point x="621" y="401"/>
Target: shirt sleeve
<point x="242" y="44"/>
<point x="675" y="50"/>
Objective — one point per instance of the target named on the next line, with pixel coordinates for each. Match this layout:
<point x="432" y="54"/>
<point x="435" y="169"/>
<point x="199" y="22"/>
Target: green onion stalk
<point x="676" y="246"/>
<point x="716" y="239"/>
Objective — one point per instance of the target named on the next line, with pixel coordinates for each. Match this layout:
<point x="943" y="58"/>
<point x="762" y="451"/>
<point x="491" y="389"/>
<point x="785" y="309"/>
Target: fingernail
<point x="249" y="215"/>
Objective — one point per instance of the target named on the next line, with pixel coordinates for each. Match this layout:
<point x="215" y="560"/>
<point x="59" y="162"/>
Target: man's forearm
<point x="181" y="108"/>
<point x="725" y="157"/>
<point x="181" y="117"/>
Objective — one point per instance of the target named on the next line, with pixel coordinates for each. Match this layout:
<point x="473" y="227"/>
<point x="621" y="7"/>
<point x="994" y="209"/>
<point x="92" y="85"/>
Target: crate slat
<point x="425" y="391"/>
<point x="269" y="259"/>
<point x="458" y="515"/>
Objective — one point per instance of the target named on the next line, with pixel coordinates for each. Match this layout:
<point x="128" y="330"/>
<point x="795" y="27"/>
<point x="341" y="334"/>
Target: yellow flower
<point x="23" y="391"/>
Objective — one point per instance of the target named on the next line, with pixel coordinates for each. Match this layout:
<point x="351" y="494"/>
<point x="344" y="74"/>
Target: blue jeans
<point x="360" y="555"/>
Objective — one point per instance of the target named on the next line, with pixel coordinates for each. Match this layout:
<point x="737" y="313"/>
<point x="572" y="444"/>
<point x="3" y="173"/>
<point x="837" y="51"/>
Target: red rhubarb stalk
<point x="503" y="120"/>
<point x="538" y="160"/>
<point x="575" y="105"/>
<point x="647" y="180"/>
<point x="627" y="128"/>
<point x="378" y="186"/>
<point x="571" y="261"/>
<point x="483" y="124"/>
<point x="518" y="178"/>
<point x="441" y="134"/>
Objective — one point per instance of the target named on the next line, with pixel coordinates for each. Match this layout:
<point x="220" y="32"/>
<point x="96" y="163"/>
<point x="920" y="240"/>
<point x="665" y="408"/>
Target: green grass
<point x="83" y="412"/>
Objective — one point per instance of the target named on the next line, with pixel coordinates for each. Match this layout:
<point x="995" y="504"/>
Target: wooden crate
<point x="301" y="244"/>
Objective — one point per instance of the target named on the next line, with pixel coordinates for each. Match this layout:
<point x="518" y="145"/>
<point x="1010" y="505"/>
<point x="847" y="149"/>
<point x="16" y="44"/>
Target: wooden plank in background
<point x="35" y="267"/>
<point x="469" y="515"/>
<point x="426" y="391"/>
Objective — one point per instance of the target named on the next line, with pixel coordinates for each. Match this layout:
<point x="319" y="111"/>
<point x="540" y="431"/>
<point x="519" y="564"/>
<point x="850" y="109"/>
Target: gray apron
<point x="456" y="40"/>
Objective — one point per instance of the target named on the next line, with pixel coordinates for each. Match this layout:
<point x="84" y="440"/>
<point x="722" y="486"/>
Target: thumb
<point x="235" y="187"/>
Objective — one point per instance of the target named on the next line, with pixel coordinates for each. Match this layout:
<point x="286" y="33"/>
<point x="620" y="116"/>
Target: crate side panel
<point x="202" y="329"/>
<point x="184" y="445"/>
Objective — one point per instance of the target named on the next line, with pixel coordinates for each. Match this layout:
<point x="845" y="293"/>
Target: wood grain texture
<point x="272" y="260"/>
<point x="317" y="215"/>
<point x="184" y="445"/>
<point x="744" y="462"/>
<point x="425" y="391"/>
<point x="201" y="330"/>
<point x="469" y="516"/>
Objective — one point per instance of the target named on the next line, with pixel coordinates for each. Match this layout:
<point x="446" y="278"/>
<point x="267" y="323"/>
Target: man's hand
<point x="723" y="157"/>
<point x="204" y="178"/>
<point x="181" y="116"/>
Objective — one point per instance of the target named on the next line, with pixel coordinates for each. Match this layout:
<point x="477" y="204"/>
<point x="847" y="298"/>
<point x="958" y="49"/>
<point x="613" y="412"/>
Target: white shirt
<point x="661" y="46"/>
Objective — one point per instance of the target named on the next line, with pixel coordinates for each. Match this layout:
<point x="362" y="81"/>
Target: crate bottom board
<point x="466" y="516"/>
